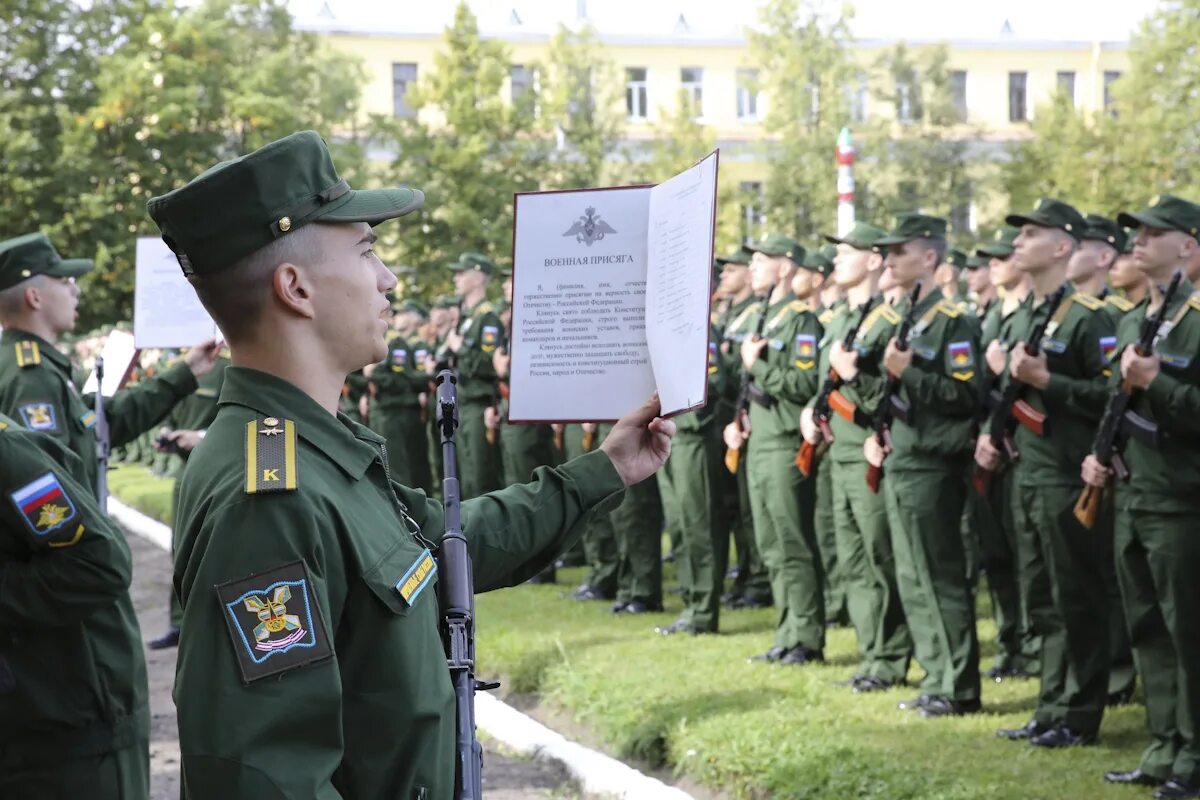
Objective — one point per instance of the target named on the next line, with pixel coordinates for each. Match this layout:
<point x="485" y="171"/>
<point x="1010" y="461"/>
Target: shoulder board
<point x="485" y="307"/>
<point x="3" y="426"/>
<point x="799" y="306"/>
<point x="949" y="309"/>
<point x="1087" y="301"/>
<point x="1194" y="301"/>
<point x="270" y="456"/>
<point x="882" y="310"/>
<point x="827" y="316"/>
<point x="29" y="354"/>
<point x="1119" y="303"/>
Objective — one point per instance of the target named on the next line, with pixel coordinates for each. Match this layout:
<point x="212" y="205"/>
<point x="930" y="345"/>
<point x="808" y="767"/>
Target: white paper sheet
<point x="118" y="353"/>
<point x="166" y="311"/>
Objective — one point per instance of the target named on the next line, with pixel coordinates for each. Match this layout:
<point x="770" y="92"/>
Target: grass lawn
<point x="759" y="730"/>
<point x="135" y="486"/>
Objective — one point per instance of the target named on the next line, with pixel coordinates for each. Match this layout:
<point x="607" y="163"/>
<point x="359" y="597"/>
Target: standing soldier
<point x="443" y="320"/>
<point x="1065" y="381"/>
<point x="937" y="377"/>
<point x="1158" y="551"/>
<point x="946" y="277"/>
<point x="860" y="516"/>
<point x="395" y="386"/>
<point x="783" y="365"/>
<point x="980" y="291"/>
<point x="473" y="344"/>
<point x="38" y="302"/>
<point x="1102" y="242"/>
<point x="73" y="693"/>
<point x="752" y="587"/>
<point x="599" y="538"/>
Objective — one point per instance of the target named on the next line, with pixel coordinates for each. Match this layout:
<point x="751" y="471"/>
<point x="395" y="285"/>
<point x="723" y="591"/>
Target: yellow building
<point x="999" y="76"/>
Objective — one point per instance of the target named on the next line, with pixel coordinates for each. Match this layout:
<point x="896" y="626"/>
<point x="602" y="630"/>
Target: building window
<point x="1110" y="77"/>
<point x="521" y="78"/>
<point x="747" y="94"/>
<point x="908" y="100"/>
<point x="692" y="79"/>
<point x="1017" y="111"/>
<point x="753" y="220"/>
<point x="403" y="76"/>
<point x="635" y="92"/>
<point x="857" y="96"/>
<point x="958" y="93"/>
<point x="1066" y="86"/>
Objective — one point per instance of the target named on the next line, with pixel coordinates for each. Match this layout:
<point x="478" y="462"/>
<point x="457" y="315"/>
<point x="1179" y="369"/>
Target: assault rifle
<point x="892" y="407"/>
<point x="1120" y="421"/>
<point x="808" y="456"/>
<point x="1009" y="406"/>
<point x="734" y="457"/>
<point x="102" y="438"/>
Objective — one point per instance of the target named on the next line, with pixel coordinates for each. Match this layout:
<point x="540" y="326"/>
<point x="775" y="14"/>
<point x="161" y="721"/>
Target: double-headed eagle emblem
<point x="589" y="228"/>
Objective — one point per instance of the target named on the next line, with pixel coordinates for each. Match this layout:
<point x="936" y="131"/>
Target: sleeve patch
<point x="489" y="338"/>
<point x="40" y="416"/>
<point x="1178" y="362"/>
<point x="29" y="354"/>
<point x="399" y="359"/>
<point x="1108" y="345"/>
<point x="963" y="376"/>
<point x="274" y="621"/>
<point x="270" y="456"/>
<point x="962" y="355"/>
<point x="1054" y="346"/>
<point x="806" y="350"/>
<point x="712" y="357"/>
<point x="48" y="511"/>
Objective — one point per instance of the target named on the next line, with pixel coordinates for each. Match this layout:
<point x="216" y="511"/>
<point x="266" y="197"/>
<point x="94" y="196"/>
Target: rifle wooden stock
<point x="490" y="435"/>
<point x="806" y="458"/>
<point x="732" y="459"/>
<point x="558" y="440"/>
<point x="981" y="479"/>
<point x="589" y="439"/>
<point x="1087" y="507"/>
<point x="843" y="407"/>
<point x="874" y="477"/>
<point x="1030" y="417"/>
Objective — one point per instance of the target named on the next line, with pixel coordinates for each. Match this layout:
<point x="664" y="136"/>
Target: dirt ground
<point x="505" y="778"/>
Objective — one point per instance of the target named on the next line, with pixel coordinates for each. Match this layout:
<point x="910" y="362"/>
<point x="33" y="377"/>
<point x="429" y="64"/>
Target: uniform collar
<point x="348" y="444"/>
<point x="12" y="336"/>
<point x="928" y="301"/>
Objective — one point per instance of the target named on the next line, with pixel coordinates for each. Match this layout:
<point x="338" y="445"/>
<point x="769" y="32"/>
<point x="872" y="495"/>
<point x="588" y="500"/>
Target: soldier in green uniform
<point x="980" y="291"/>
<point x="1066" y="382"/>
<point x="783" y="365"/>
<point x="38" y="302"/>
<point x="1102" y="242"/>
<point x="395" y="386"/>
<point x="599" y="539"/>
<point x="311" y="663"/>
<point x="183" y="429"/>
<point x="994" y="522"/>
<point x="930" y="453"/>
<point x="947" y="278"/>
<point x="1128" y="282"/>
<point x="1158" y="552"/>
<point x="752" y="587"/>
<point x="860" y="516"/>
<point x="444" y="315"/>
<point x="73" y="693"/>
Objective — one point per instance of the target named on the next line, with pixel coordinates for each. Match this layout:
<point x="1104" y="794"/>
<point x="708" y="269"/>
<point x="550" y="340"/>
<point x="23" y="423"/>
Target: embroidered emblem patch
<point x="88" y="419"/>
<point x="961" y="355"/>
<point x="1108" y="345"/>
<point x="1054" y="346"/>
<point x="418" y="576"/>
<point x="712" y="357"/>
<point x="274" y="621"/>
<point x="489" y="338"/>
<point x="48" y="511"/>
<point x="806" y="350"/>
<point x="39" y="417"/>
<point x="421" y="355"/>
<point x="1178" y="362"/>
<point x="399" y="359"/>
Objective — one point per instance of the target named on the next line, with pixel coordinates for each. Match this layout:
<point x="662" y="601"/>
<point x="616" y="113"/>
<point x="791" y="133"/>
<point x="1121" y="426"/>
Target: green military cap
<point x="914" y="226"/>
<point x="777" y="245"/>
<point x="1001" y="245"/>
<point x="863" y="236"/>
<point x="956" y="258"/>
<point x="446" y="301"/>
<point x="22" y="257"/>
<point x="473" y="261"/>
<point x="975" y="262"/>
<point x="740" y="256"/>
<point x="238" y="207"/>
<point x="818" y="260"/>
<point x="1051" y="213"/>
<point x="1103" y="229"/>
<point x="1166" y="212"/>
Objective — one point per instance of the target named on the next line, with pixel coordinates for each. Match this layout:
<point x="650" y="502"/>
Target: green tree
<point x="801" y="56"/>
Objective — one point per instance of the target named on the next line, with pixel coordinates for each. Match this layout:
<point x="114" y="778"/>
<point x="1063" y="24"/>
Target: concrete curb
<point x="597" y="774"/>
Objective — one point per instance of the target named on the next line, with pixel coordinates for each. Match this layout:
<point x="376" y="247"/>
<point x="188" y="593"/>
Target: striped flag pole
<point x="845" y="182"/>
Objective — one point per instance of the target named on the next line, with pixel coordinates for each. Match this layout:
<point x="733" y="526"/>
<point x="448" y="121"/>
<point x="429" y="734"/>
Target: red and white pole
<point x="845" y="182"/>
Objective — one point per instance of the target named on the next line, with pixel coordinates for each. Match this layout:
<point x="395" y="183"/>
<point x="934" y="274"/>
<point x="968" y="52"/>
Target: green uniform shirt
<point x="1168" y="478"/>
<point x="743" y="318"/>
<point x="311" y="664"/>
<point x="942" y="389"/>
<point x="787" y="369"/>
<point x="866" y="390"/>
<point x="1078" y="342"/>
<point x="482" y="333"/>
<point x="1117" y="307"/>
<point x="72" y="673"/>
<point x="39" y="394"/>
<point x="400" y="378"/>
<point x="701" y="419"/>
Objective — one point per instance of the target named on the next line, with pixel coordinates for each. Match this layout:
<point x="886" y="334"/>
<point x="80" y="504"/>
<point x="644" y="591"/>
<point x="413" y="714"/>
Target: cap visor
<point x="1130" y="220"/>
<point x="995" y="251"/>
<point x="888" y="241"/>
<point x="372" y="206"/>
<point x="70" y="268"/>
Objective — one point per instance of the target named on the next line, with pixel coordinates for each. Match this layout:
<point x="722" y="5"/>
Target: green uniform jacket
<point x="868" y="387"/>
<point x="742" y="318"/>
<point x="311" y="665"/>
<point x="786" y="370"/>
<point x="72" y="673"/>
<point x="400" y="377"/>
<point x="1167" y="479"/>
<point x="702" y="419"/>
<point x="942" y="389"/>
<point x="41" y="396"/>
<point x="482" y="333"/>
<point x="1078" y="342"/>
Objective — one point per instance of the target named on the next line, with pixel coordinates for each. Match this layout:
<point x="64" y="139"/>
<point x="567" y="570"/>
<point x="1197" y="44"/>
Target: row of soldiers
<point x="852" y="456"/>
